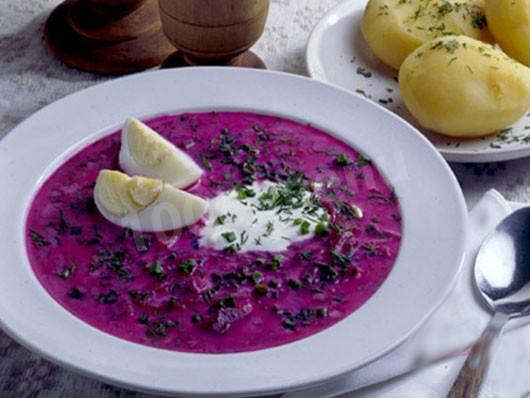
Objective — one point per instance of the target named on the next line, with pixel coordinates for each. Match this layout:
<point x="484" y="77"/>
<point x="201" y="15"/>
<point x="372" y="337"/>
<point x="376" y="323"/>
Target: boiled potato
<point x="395" y="28"/>
<point x="462" y="87"/>
<point x="509" y="22"/>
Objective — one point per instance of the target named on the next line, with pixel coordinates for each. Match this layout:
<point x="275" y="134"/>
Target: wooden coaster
<point x="246" y="60"/>
<point x="107" y="44"/>
<point x="115" y="25"/>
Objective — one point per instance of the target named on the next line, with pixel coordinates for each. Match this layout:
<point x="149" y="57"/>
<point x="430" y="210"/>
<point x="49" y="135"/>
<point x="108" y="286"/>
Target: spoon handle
<point x="472" y="374"/>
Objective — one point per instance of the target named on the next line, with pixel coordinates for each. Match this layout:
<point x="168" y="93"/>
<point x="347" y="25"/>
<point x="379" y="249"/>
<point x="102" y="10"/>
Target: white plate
<point x="337" y="53"/>
<point x="434" y="225"/>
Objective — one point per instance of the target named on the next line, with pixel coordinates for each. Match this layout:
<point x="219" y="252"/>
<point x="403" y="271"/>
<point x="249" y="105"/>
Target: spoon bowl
<point x="502" y="268"/>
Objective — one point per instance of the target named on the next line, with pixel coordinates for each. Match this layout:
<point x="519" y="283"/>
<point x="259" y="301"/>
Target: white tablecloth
<point x="30" y="78"/>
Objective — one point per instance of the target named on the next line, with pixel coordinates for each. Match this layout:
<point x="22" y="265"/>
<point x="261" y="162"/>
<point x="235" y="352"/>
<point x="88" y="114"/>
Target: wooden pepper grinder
<point x="213" y="32"/>
<point x="108" y="36"/>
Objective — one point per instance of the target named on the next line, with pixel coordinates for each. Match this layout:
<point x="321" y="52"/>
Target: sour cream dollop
<point x="266" y="216"/>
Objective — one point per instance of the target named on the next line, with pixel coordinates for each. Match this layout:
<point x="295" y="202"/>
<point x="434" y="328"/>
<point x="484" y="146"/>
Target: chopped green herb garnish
<point x="269" y="228"/>
<point x="94" y="266"/>
<point x="294" y="284"/>
<point x="363" y="72"/>
<point x="444" y="8"/>
<point x="159" y="329"/>
<point x="143" y="319"/>
<point x="383" y="10"/>
<point x="37" y="239"/>
<point x="220" y="220"/>
<point x="450" y="46"/>
<point x="362" y="92"/>
<point x="114" y="261"/>
<point x="257" y="277"/>
<point x="233" y="248"/>
<point x="156" y="269"/>
<point x="226" y="302"/>
<point x="289" y="324"/>
<point x="75" y="293"/>
<point x="478" y="21"/>
<point x="108" y="298"/>
<point x="67" y="272"/>
<point x="227" y="143"/>
<point x="187" y="266"/>
<point x="340" y="259"/>
<point x="321" y="229"/>
<point x="63" y="224"/>
<point x="142" y="243"/>
<point x="260" y="261"/>
<point x="327" y="272"/>
<point x="261" y="289"/>
<point x="244" y="193"/>
<point x="342" y="159"/>
<point x="75" y="230"/>
<point x="229" y="236"/>
<point x="304" y="227"/>
<point x="243" y="238"/>
<point x="321" y="312"/>
<point x="306" y="256"/>
<point x="363" y="160"/>
<point x="206" y="163"/>
<point x="275" y="263"/>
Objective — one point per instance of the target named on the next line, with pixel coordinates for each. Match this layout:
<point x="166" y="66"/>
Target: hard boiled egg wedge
<point x="144" y="152"/>
<point x="145" y="204"/>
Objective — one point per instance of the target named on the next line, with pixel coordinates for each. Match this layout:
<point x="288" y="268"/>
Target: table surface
<point x="31" y="78"/>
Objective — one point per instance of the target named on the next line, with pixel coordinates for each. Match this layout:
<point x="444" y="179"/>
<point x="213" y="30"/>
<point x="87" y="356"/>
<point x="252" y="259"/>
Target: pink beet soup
<point x="166" y="291"/>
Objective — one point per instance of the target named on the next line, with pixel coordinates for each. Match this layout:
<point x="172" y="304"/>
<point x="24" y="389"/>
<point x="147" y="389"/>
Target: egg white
<point x="179" y="169"/>
<point x="173" y="209"/>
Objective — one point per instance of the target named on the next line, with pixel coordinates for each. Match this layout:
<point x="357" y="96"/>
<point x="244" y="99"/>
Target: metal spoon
<point x="502" y="275"/>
